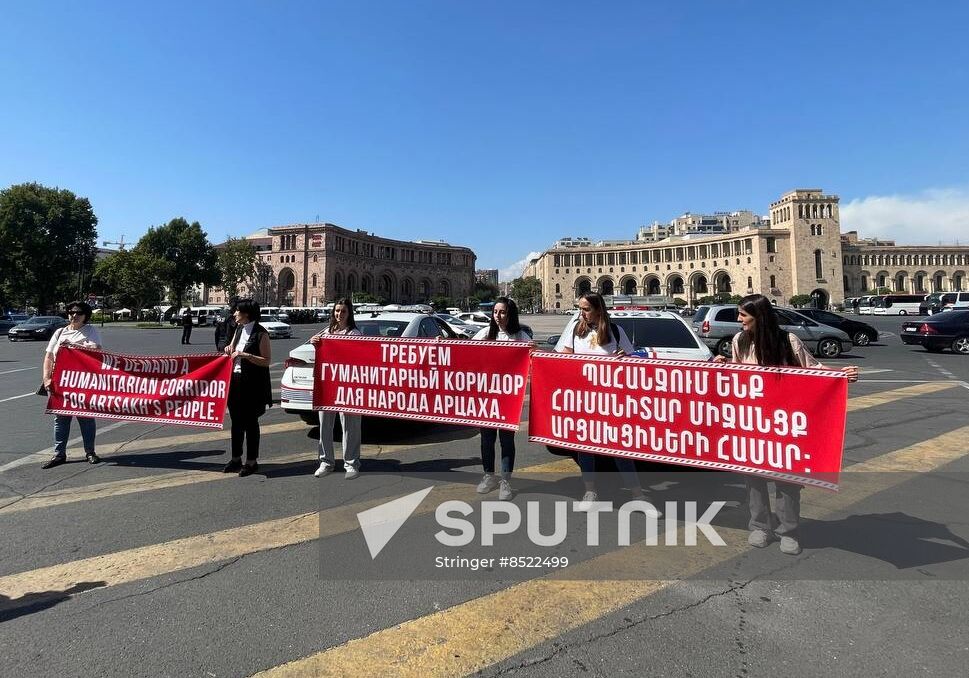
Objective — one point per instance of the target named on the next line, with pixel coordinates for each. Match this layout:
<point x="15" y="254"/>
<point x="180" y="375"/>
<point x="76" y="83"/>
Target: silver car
<point x="716" y="326"/>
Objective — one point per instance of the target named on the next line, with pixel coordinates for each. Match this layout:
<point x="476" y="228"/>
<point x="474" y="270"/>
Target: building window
<point x="818" y="272"/>
<point x="773" y="282"/>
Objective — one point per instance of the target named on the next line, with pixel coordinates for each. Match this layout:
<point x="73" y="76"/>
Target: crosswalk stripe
<point x="884" y="397"/>
<point x="156" y="559"/>
<point x="471" y="636"/>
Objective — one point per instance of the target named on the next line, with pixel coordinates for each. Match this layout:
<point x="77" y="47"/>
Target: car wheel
<point x="861" y="338"/>
<point x="829" y="348"/>
<point x="903" y="312"/>
<point x="961" y="345"/>
<point x="723" y="348"/>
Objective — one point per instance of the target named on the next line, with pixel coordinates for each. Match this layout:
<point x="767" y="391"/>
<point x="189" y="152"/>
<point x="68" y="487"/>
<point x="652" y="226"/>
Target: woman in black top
<point x="250" y="392"/>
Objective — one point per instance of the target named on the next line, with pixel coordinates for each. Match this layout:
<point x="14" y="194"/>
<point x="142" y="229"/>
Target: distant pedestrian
<point x="79" y="333"/>
<point x="503" y="327"/>
<point x="187" y="325"/>
<point x="341" y="324"/>
<point x="250" y="391"/>
<point x="226" y="328"/>
<point x="761" y="341"/>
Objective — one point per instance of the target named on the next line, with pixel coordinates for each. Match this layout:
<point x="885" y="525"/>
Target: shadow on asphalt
<point x="29" y="603"/>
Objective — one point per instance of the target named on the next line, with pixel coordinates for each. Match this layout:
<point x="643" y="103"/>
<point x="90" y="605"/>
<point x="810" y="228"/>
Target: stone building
<point x="313" y="264"/>
<point x="797" y="249"/>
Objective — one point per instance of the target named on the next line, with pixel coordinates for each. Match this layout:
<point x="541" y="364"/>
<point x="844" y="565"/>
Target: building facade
<point x="798" y="249"/>
<point x="313" y="264"/>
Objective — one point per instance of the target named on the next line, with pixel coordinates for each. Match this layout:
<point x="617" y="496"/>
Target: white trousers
<point x="351" y="438"/>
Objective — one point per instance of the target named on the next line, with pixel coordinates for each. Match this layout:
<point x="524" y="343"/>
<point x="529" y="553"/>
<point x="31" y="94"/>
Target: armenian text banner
<point x="780" y="422"/>
<point x="472" y="383"/>
<point x="190" y="390"/>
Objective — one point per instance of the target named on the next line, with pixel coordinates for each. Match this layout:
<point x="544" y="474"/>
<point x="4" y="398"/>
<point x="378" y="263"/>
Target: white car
<point x="476" y="318"/>
<point x="663" y="335"/>
<point x="460" y="327"/>
<point x="275" y="328"/>
<point x="296" y="385"/>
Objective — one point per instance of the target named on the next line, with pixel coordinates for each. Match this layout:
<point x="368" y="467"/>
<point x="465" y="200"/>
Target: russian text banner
<point x="473" y="383"/>
<point x="188" y="390"/>
<point x="783" y="423"/>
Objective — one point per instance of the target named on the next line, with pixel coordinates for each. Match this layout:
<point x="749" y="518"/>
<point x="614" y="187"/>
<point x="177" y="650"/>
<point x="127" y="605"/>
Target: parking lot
<point x="156" y="563"/>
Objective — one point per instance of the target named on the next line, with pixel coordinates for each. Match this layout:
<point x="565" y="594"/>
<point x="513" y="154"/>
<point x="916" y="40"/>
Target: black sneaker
<point x="93" y="459"/>
<point x="233" y="466"/>
<point x="56" y="460"/>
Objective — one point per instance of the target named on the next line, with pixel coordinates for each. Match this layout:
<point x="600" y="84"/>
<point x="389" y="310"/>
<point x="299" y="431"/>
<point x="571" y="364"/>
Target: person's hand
<point x="719" y="359"/>
<point x="851" y="371"/>
<point x="227" y="350"/>
<point x="237" y="354"/>
<point x="48" y="383"/>
<point x="619" y="353"/>
<point x="315" y="339"/>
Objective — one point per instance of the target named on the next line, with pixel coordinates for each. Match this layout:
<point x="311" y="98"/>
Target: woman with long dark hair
<point x="761" y="341"/>
<point x="342" y="324"/>
<point x="504" y="326"/>
<point x="596" y="334"/>
<point x="250" y="391"/>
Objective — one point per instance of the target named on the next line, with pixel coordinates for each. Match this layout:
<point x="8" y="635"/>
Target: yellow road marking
<point x="885" y="397"/>
<point x="476" y="634"/>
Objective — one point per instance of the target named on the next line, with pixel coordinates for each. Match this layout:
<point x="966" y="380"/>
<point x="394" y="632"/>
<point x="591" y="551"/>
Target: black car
<point x="861" y="333"/>
<point x="939" y="332"/>
<point x="38" y="327"/>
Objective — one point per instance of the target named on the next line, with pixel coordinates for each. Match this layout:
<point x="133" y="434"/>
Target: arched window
<point x="750" y="283"/>
<point x="558" y="288"/>
<point x="773" y="282"/>
<point x="818" y="273"/>
<point x="313" y="278"/>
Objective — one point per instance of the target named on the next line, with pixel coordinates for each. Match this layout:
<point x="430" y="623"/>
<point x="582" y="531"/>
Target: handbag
<point x="42" y="391"/>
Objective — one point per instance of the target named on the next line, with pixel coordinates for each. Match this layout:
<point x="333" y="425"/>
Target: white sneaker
<point x="651" y="511"/>
<point x="588" y="499"/>
<point x="488" y="483"/>
<point x="759" y="538"/>
<point x="352" y="472"/>
<point x="504" y="490"/>
<point x="324" y="470"/>
<point x="790" y="546"/>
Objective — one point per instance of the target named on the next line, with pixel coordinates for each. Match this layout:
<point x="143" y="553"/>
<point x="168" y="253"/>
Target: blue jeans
<point x="626" y="468"/>
<point x="62" y="431"/>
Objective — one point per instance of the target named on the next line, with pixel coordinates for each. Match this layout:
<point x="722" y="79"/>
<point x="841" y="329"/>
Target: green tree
<point x="188" y="257"/>
<point x="800" y="300"/>
<point x="484" y="292"/>
<point x="237" y="265"/>
<point x="48" y="239"/>
<point x="132" y="278"/>
<point x="527" y="292"/>
<point x="679" y="302"/>
<point x="264" y="283"/>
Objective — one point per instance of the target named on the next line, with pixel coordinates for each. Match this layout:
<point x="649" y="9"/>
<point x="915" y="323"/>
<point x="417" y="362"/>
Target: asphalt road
<point x="154" y="563"/>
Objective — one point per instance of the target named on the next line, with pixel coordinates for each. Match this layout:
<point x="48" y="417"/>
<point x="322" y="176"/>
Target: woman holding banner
<point x="595" y="334"/>
<point x="78" y="333"/>
<point x="504" y="326"/>
<point x="342" y="324"/>
<point x="250" y="391"/>
<point x="761" y="341"/>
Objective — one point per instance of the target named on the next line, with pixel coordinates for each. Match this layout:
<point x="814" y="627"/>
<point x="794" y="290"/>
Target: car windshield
<point x="44" y="319"/>
<point x="382" y="328"/>
<point x="657" y="333"/>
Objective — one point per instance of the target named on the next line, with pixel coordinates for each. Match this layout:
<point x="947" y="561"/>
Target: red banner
<point x="190" y="390"/>
<point x="784" y="423"/>
<point x="474" y="383"/>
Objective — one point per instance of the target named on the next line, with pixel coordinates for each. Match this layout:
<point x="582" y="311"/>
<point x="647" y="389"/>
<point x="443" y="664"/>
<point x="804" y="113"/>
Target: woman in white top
<point x="79" y="333"/>
<point x="594" y="334"/>
<point x="504" y="326"/>
<point x="341" y="323"/>
<point x="761" y="341"/>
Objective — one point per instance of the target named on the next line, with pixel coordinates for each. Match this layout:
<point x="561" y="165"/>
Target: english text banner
<point x="190" y="390"/>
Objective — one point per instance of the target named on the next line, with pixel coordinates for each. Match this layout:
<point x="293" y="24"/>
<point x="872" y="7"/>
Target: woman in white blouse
<point x="342" y="324"/>
<point x="504" y="326"/>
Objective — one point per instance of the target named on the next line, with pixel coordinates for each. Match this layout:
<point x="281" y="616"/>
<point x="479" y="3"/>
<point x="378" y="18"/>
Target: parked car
<point x="861" y="333"/>
<point x="719" y="324"/>
<point x="460" y="327"/>
<point x="275" y="327"/>
<point x="476" y="318"/>
<point x="943" y="301"/>
<point x="941" y="331"/>
<point x="5" y="325"/>
<point x="658" y="334"/>
<point x="296" y="385"/>
<point x="38" y="327"/>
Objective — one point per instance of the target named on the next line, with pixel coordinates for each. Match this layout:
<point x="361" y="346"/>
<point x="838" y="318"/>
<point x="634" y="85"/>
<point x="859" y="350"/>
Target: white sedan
<point x="661" y="335"/>
<point x="276" y="328"/>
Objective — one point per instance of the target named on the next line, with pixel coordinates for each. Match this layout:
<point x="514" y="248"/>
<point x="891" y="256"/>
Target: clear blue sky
<point x="500" y="125"/>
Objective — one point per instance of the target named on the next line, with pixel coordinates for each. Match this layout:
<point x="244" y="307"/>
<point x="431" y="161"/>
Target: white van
<point x="201" y="315"/>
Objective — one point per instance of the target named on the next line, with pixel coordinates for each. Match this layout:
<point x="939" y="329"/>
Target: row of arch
<point x="906" y="260"/>
<point x="698" y="284"/>
<point x="901" y="281"/>
<point x="384" y="286"/>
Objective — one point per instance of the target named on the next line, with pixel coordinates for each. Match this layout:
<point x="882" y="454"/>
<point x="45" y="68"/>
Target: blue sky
<point x="498" y="125"/>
